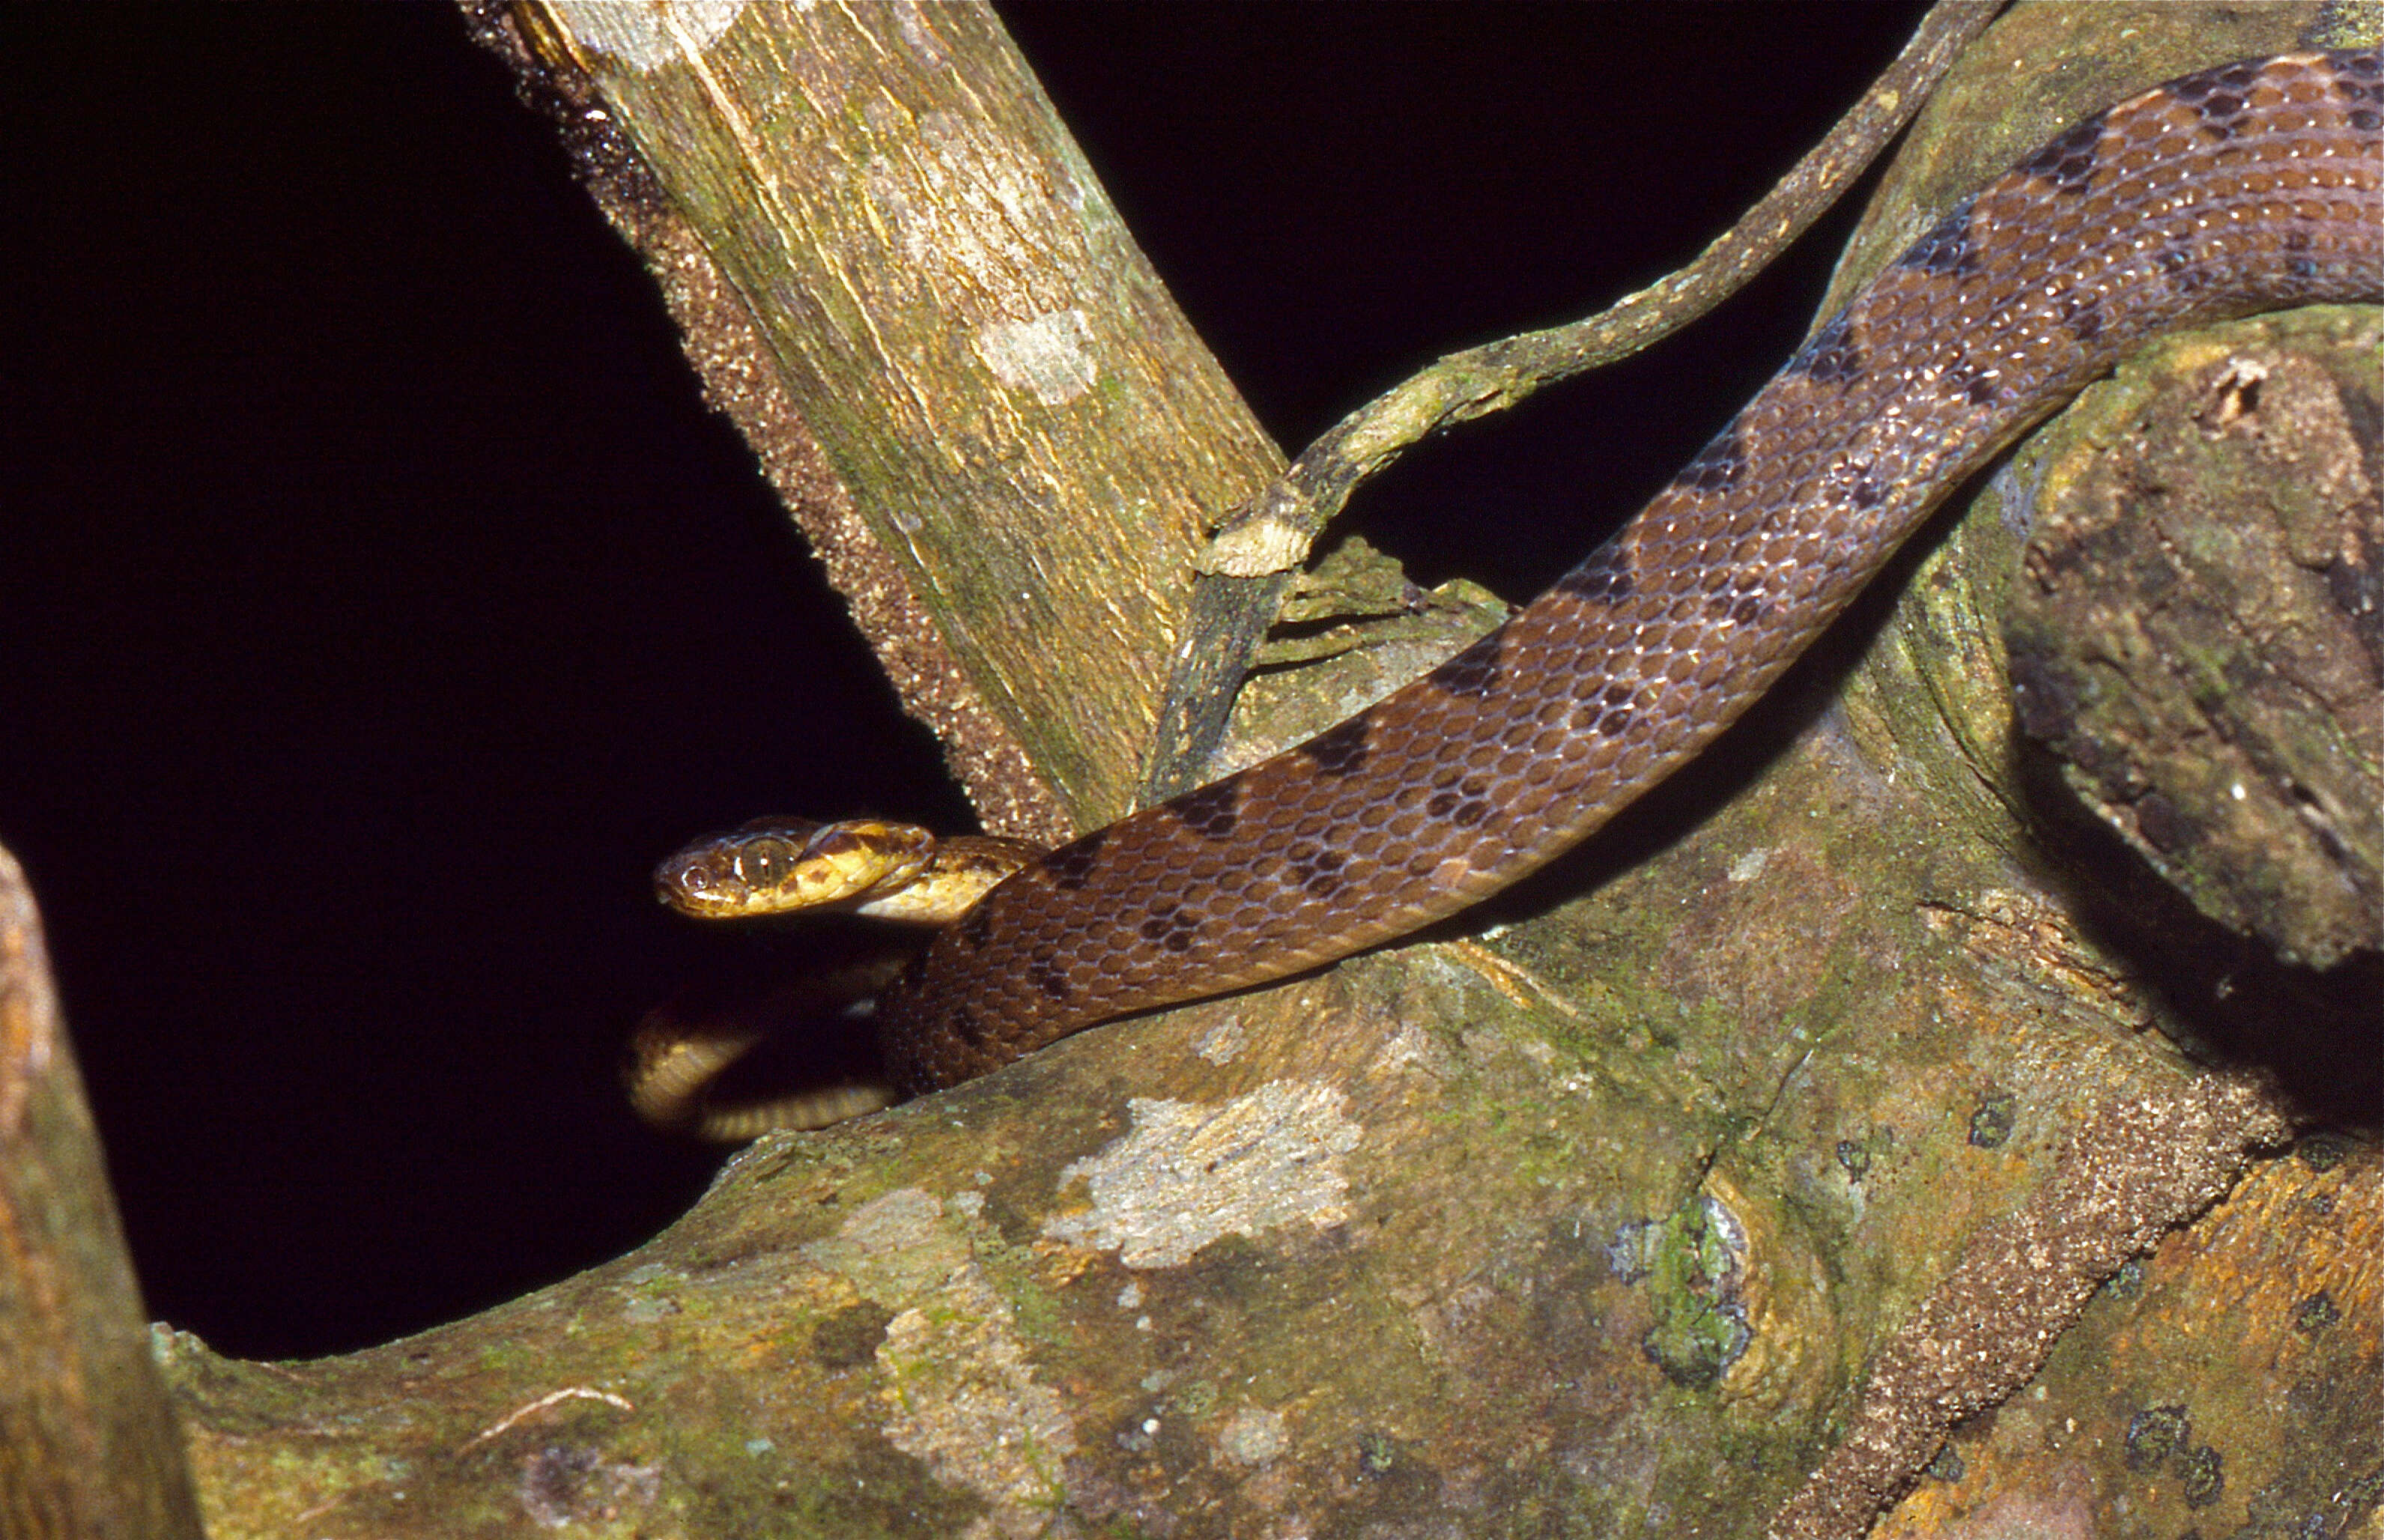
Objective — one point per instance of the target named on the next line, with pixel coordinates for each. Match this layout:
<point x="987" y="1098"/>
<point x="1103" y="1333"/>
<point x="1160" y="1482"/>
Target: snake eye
<point x="764" y="862"/>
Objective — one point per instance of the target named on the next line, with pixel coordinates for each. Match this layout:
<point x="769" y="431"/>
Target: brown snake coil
<point x="2250" y="187"/>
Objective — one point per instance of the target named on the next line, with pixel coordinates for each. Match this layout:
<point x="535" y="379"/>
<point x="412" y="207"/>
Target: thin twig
<point x="1244" y="571"/>
<point x="568" y="1393"/>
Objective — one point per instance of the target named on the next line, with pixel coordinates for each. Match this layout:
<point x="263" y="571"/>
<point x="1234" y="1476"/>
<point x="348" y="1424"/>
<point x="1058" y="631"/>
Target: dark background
<point x="377" y="602"/>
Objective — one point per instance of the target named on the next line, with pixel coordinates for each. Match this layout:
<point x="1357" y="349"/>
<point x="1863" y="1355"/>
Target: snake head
<point x="794" y="866"/>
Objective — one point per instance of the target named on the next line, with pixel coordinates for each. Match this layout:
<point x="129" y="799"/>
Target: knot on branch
<point x="2198" y="634"/>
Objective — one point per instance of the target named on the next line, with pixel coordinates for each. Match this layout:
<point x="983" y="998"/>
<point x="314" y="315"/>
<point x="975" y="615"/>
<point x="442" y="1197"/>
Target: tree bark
<point x="900" y="279"/>
<point x="89" y="1447"/>
<point x="1822" y="1093"/>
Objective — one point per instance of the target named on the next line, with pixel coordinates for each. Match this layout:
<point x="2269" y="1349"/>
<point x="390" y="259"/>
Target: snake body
<point x="2248" y="186"/>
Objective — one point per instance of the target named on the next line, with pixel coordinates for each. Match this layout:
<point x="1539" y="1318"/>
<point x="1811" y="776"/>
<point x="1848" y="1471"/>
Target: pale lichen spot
<point x="895" y="1243"/>
<point x="1410" y="1047"/>
<point x="1188" y="1173"/>
<point x="970" y="1408"/>
<point x="1222" y="1043"/>
<point x="650" y="35"/>
<point x="918" y="34"/>
<point x="1050" y="355"/>
<point x="1254" y="1436"/>
<point x="975" y="222"/>
<point x="1254" y="550"/>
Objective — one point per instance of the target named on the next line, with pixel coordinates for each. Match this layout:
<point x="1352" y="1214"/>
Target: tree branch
<point x="89" y="1447"/>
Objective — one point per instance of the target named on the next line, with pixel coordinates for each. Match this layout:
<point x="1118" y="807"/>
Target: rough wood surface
<point x="898" y="274"/>
<point x="89" y="1447"/>
<point x="2199" y="631"/>
<point x="1609" y="1214"/>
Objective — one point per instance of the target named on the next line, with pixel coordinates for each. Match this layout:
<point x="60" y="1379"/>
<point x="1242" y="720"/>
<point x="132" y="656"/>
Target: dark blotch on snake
<point x="2298" y="266"/>
<point x="2069" y="162"/>
<point x="1475" y="671"/>
<point x="2082" y="315"/>
<point x="1615" y="720"/>
<point x="1831" y="357"/>
<point x="1947" y="250"/>
<point x="2358" y="82"/>
<point x="1045" y="973"/>
<point x="1718" y="465"/>
<point x="1339" y="751"/>
<point x="1965" y="381"/>
<point x="1465" y="804"/>
<point x="1212" y="810"/>
<point x="1171" y="926"/>
<point x="1319" y="871"/>
<point x="2217" y="99"/>
<point x="976" y="928"/>
<point x="1606" y="574"/>
<point x="2218" y="115"/>
<point x="2217" y="96"/>
<point x="1070" y="864"/>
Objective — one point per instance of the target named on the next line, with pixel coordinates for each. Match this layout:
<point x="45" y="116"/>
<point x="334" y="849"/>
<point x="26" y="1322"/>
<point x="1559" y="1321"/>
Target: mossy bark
<point x="2198" y="635"/>
<point x="1591" y="1216"/>
<point x="89" y="1447"/>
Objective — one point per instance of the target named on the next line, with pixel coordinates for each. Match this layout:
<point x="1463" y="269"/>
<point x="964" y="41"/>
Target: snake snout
<point x="692" y="884"/>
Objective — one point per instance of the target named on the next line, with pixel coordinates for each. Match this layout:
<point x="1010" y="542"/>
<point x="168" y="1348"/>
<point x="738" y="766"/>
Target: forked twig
<point x="1245" y="569"/>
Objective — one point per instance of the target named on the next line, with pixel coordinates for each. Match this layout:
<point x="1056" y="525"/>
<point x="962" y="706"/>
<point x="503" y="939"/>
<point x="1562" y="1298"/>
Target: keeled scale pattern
<point x="2250" y="187"/>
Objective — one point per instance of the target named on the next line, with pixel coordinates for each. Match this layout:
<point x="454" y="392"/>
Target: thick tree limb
<point x="898" y="274"/>
<point x="89" y="1447"/>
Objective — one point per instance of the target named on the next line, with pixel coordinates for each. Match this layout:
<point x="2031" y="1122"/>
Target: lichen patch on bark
<point x="962" y="1395"/>
<point x="1188" y="1175"/>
